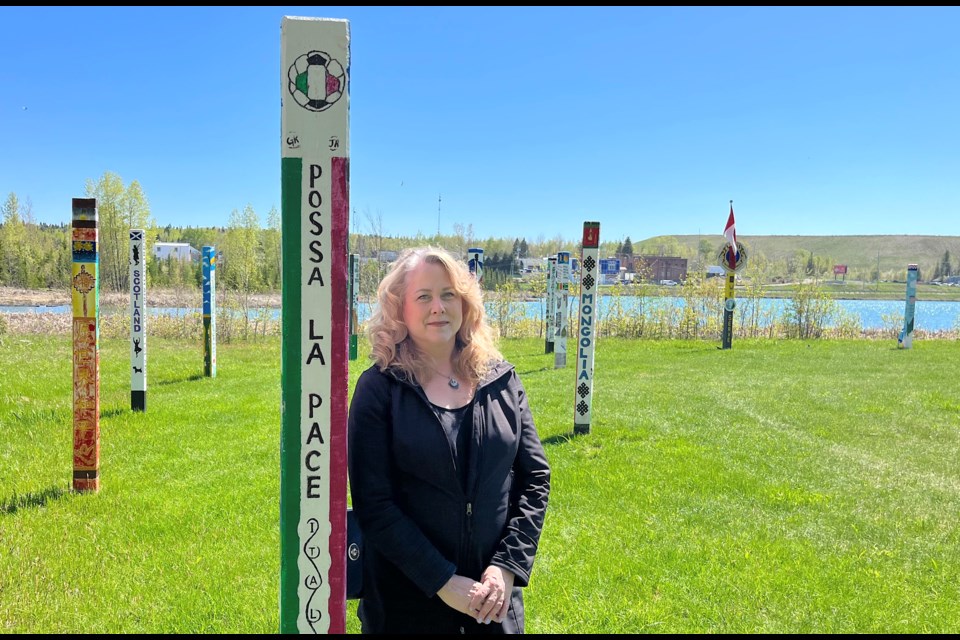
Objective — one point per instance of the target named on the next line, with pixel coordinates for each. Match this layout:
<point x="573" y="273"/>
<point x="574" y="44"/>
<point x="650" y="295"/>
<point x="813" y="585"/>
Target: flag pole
<point x="729" y="301"/>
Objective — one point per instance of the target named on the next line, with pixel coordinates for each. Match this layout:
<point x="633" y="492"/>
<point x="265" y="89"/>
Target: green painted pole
<point x="353" y="296"/>
<point x="315" y="187"/>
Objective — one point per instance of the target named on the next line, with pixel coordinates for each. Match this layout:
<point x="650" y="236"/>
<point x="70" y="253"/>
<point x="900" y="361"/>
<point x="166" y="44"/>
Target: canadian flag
<point x="730" y="233"/>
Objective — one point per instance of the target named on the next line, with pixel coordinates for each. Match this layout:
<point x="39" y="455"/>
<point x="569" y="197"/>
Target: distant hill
<point x="860" y="253"/>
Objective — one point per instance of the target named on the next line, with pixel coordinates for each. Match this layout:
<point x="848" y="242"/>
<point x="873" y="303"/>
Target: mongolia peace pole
<point x="315" y="180"/>
<point x="586" y="333"/>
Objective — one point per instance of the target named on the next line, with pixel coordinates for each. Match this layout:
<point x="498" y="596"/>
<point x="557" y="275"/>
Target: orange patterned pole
<point x="85" y="286"/>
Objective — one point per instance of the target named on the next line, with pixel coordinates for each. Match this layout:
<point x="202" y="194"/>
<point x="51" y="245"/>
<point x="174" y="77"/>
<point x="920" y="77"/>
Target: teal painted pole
<point x="209" y="312"/>
<point x="905" y="339"/>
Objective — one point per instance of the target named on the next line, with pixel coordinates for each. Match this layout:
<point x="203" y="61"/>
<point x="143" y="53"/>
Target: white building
<point x="716" y="271"/>
<point x="181" y="251"/>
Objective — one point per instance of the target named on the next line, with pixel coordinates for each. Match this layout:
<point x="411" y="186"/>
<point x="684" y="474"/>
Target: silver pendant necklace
<point x="452" y="382"/>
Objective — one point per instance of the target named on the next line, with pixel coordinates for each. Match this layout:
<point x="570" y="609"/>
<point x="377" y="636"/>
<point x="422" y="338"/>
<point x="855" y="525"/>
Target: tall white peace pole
<point x="586" y="334"/>
<point x="475" y="262"/>
<point x="551" y="303"/>
<point x="138" y="322"/>
<point x="315" y="184"/>
<point x="562" y="280"/>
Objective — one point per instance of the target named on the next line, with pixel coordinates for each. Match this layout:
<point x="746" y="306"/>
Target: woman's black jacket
<point x="419" y="526"/>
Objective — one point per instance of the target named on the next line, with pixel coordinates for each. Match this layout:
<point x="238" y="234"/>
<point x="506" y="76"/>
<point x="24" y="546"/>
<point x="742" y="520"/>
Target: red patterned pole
<point x="85" y="286"/>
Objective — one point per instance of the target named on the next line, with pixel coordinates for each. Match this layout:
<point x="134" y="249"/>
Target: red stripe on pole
<point x="591" y="234"/>
<point x="340" y="219"/>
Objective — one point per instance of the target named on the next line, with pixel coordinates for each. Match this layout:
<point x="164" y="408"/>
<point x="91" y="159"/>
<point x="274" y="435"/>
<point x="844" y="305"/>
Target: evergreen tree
<point x="627" y="248"/>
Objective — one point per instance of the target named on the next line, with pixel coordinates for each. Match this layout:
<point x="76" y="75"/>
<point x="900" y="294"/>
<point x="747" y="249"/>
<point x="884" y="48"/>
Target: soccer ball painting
<point x="316" y="81"/>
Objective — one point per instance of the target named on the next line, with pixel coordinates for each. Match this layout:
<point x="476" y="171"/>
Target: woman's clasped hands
<point x="486" y="601"/>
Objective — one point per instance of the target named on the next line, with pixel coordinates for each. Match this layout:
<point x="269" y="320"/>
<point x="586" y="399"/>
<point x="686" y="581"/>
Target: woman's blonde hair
<point x="475" y="349"/>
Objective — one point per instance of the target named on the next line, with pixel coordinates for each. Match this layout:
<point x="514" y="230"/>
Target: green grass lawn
<point x="779" y="486"/>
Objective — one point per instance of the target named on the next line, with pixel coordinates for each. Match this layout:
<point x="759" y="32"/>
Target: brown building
<point x="657" y="268"/>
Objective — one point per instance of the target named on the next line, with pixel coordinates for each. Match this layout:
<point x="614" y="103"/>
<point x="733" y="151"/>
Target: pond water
<point x="929" y="315"/>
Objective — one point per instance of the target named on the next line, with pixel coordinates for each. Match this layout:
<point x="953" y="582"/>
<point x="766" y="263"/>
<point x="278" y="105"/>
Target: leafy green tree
<point x="119" y="209"/>
<point x="241" y="260"/>
<point x="704" y="251"/>
<point x="272" y="266"/>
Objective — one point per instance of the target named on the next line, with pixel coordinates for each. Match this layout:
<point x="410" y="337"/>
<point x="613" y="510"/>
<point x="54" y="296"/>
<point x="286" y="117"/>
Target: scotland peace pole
<point x="315" y="180"/>
<point x="138" y="323"/>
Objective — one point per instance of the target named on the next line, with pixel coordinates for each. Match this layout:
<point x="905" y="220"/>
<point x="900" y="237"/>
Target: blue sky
<point x="524" y="122"/>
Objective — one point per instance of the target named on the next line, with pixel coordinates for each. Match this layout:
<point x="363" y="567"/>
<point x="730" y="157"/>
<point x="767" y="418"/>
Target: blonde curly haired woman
<point x="448" y="478"/>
